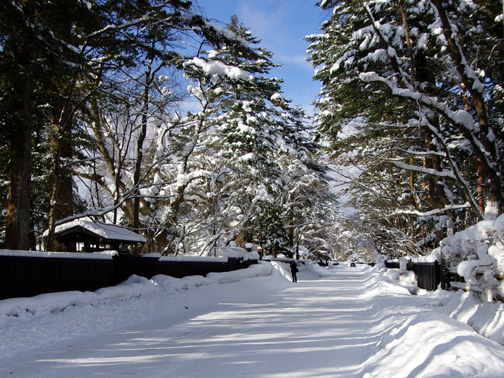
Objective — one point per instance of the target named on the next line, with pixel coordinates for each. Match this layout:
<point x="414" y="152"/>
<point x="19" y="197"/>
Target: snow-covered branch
<point x="427" y="171"/>
<point x="433" y="212"/>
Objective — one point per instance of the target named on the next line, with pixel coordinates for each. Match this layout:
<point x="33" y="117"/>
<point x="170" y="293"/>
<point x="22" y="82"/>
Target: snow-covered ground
<point x="341" y="322"/>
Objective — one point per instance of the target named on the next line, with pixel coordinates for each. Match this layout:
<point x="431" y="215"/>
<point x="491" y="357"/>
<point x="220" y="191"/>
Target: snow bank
<point x="477" y="255"/>
<point x="262" y="269"/>
<point x="485" y="318"/>
<point x="422" y="341"/>
<point x="425" y="344"/>
<point x="134" y="287"/>
<point x="406" y="279"/>
<point x="386" y="282"/>
<point x="282" y="268"/>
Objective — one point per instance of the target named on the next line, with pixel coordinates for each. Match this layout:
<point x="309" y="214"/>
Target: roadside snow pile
<point x="134" y="287"/>
<point x="416" y="343"/>
<point x="282" y="268"/>
<point x="405" y="279"/>
<point x="485" y="318"/>
<point x="419" y="341"/>
<point x="385" y="283"/>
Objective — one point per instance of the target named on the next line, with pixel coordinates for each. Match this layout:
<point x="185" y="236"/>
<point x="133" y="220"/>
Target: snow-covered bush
<point x="477" y="255"/>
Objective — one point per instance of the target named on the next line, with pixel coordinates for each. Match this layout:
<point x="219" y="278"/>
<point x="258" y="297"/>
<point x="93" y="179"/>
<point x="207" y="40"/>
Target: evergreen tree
<point x="251" y="129"/>
<point x="36" y="57"/>
<point x="401" y="69"/>
<point x="58" y="59"/>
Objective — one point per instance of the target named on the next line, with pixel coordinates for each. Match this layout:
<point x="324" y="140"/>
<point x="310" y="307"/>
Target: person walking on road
<point x="294" y="270"/>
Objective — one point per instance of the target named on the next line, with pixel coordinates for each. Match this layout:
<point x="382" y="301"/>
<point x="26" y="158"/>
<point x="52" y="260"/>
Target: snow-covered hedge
<point x="477" y="255"/>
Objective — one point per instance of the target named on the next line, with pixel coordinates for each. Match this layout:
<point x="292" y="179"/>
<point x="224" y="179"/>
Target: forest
<point x="145" y="114"/>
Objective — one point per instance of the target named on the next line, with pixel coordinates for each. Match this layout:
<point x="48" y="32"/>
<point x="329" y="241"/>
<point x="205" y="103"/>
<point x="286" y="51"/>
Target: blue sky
<point x="281" y="25"/>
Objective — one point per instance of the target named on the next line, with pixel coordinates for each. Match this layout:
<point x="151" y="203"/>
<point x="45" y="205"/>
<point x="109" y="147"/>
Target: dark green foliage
<point x="388" y="78"/>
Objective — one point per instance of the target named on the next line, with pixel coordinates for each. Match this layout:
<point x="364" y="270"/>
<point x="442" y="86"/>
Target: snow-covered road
<point x="348" y="323"/>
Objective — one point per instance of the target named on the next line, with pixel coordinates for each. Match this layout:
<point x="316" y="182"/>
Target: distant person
<point x="260" y="252"/>
<point x="294" y="271"/>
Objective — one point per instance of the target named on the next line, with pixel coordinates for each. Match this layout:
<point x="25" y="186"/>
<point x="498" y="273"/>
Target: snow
<point x="477" y="255"/>
<point x="236" y="252"/>
<point x="104" y="255"/>
<point x="107" y="231"/>
<point x="464" y="118"/>
<point x="485" y="318"/>
<point x="219" y="68"/>
<point x="262" y="195"/>
<point x="499" y="226"/>
<point x="276" y="97"/>
<point x="226" y="32"/>
<point x="338" y="322"/>
<point x="193" y="258"/>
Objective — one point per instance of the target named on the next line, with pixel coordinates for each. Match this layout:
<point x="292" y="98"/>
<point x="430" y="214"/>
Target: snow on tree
<point x="69" y="55"/>
<point x="108" y="118"/>
<point x="425" y="84"/>
<point x="252" y="132"/>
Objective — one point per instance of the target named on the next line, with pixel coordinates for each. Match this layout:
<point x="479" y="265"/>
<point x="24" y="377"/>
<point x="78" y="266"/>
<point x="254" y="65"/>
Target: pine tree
<point x="400" y="68"/>
<point x="36" y="56"/>
<point x="252" y="128"/>
<point x="69" y="54"/>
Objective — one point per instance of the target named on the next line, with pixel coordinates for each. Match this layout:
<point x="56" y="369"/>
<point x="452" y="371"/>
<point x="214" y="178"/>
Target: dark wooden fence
<point x="429" y="274"/>
<point x="26" y="276"/>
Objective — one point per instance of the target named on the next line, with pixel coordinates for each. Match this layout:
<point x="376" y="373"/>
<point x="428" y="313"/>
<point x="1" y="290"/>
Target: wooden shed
<point x="86" y="235"/>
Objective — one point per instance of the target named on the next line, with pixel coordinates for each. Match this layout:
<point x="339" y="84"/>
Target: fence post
<point x="403" y="264"/>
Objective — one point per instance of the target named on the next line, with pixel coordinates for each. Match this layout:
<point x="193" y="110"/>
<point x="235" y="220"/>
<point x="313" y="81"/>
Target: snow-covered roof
<point x="236" y="252"/>
<point x="103" y="230"/>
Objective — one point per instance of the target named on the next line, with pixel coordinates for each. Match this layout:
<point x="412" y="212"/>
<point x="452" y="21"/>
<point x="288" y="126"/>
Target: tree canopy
<point x="148" y="115"/>
<point x="412" y="102"/>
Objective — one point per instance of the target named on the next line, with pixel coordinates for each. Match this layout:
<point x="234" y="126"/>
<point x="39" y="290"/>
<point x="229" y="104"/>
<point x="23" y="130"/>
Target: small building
<point x="86" y="235"/>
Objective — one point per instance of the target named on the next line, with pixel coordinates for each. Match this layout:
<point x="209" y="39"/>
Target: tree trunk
<point x="481" y="180"/>
<point x="17" y="234"/>
<point x="487" y="156"/>
<point x="61" y="198"/>
<point x="139" y="152"/>
<point x="62" y="188"/>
